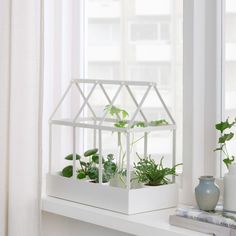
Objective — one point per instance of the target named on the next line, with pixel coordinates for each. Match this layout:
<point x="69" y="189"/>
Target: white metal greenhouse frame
<point x="99" y="122"/>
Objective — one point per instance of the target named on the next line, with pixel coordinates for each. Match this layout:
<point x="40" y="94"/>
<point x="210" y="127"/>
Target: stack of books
<point x="218" y="222"/>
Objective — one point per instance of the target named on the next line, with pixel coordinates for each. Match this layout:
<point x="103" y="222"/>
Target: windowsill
<point x="151" y="223"/>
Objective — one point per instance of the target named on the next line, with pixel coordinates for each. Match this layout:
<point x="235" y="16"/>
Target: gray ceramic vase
<point x="207" y="193"/>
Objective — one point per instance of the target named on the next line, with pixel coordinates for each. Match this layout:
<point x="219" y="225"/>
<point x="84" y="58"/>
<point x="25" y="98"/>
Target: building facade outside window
<point x="229" y="66"/>
<point x="139" y="40"/>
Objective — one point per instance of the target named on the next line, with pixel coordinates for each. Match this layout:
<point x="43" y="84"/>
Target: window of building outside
<point x="140" y="40"/>
<point x="229" y="66"/>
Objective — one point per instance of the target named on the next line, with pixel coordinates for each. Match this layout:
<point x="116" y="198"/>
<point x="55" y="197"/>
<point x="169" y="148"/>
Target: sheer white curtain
<point x="20" y="115"/>
<point x="61" y="57"/>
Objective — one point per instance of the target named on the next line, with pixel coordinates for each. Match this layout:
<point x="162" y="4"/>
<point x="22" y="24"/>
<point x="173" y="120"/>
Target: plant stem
<point x="227" y="154"/>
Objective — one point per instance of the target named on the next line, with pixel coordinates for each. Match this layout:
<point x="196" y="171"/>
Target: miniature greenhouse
<point x="99" y="145"/>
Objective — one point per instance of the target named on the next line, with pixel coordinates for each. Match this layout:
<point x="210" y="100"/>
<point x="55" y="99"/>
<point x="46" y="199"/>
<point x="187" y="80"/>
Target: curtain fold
<point x="4" y="110"/>
<point x="20" y="117"/>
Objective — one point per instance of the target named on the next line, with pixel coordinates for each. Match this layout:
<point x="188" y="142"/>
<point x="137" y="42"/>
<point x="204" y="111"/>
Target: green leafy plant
<point x="121" y="115"/>
<point x="68" y="170"/>
<point x="121" y="122"/>
<point x="151" y="173"/>
<point x="89" y="168"/>
<point x="118" y="112"/>
<point x="88" y="163"/>
<point x="158" y="122"/>
<point x="226" y="136"/>
<point x="109" y="169"/>
<point x="140" y="124"/>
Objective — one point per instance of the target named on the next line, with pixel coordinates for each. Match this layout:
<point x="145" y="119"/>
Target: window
<point x="229" y="66"/>
<point x="161" y="73"/>
<point x="103" y="32"/>
<point x="154" y="31"/>
<point x="107" y="71"/>
<point x="139" y="40"/>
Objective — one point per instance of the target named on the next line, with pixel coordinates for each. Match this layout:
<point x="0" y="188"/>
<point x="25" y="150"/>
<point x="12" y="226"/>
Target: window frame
<point x="202" y="93"/>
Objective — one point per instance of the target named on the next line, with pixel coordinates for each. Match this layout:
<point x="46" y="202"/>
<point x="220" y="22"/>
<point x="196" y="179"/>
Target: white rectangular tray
<point x="111" y="198"/>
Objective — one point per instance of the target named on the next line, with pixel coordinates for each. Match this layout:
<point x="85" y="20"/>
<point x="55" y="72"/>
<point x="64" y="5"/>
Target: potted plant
<point x="226" y="136"/>
<point x="89" y="167"/>
<point x="150" y="173"/>
<point x="121" y="115"/>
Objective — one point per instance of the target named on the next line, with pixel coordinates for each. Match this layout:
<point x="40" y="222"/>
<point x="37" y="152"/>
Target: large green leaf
<point x="70" y="157"/>
<point x="228" y="161"/>
<point x="223" y="125"/>
<point x="67" y="171"/>
<point x="91" y="152"/>
<point x="81" y="175"/>
<point x="95" y="159"/>
<point x="226" y="137"/>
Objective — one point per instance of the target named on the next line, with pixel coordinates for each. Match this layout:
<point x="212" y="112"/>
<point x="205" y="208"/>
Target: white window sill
<point x="152" y="223"/>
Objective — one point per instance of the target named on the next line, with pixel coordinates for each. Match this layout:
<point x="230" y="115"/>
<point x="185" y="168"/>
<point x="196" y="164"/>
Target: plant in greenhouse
<point x="121" y="122"/>
<point x="68" y="170"/>
<point x="134" y="118"/>
<point x="153" y="174"/>
<point x="224" y="127"/>
<point x="89" y="166"/>
<point x="109" y="169"/>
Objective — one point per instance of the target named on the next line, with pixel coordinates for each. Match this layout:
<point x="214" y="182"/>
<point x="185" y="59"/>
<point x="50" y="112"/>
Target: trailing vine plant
<point x="226" y="135"/>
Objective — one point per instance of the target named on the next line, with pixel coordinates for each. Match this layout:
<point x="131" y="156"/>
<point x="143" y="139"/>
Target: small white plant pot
<point x="120" y="181"/>
<point x="230" y="189"/>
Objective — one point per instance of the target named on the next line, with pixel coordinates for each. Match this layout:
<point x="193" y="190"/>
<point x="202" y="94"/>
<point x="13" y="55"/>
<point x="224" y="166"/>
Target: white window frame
<point x="222" y="75"/>
<point x="202" y="86"/>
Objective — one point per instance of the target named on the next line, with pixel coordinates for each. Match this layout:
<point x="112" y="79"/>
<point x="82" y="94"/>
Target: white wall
<point x="55" y="225"/>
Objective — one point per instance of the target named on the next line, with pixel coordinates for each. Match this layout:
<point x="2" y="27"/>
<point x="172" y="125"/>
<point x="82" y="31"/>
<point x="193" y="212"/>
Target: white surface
<point x="229" y="189"/>
<point x="116" y="199"/>
<point x="152" y="223"/>
<point x="56" y="225"/>
<point x="199" y="93"/>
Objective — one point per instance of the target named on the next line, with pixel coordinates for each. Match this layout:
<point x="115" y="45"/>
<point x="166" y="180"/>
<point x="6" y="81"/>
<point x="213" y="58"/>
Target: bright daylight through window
<point x="229" y="67"/>
<point x="139" y="40"/>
